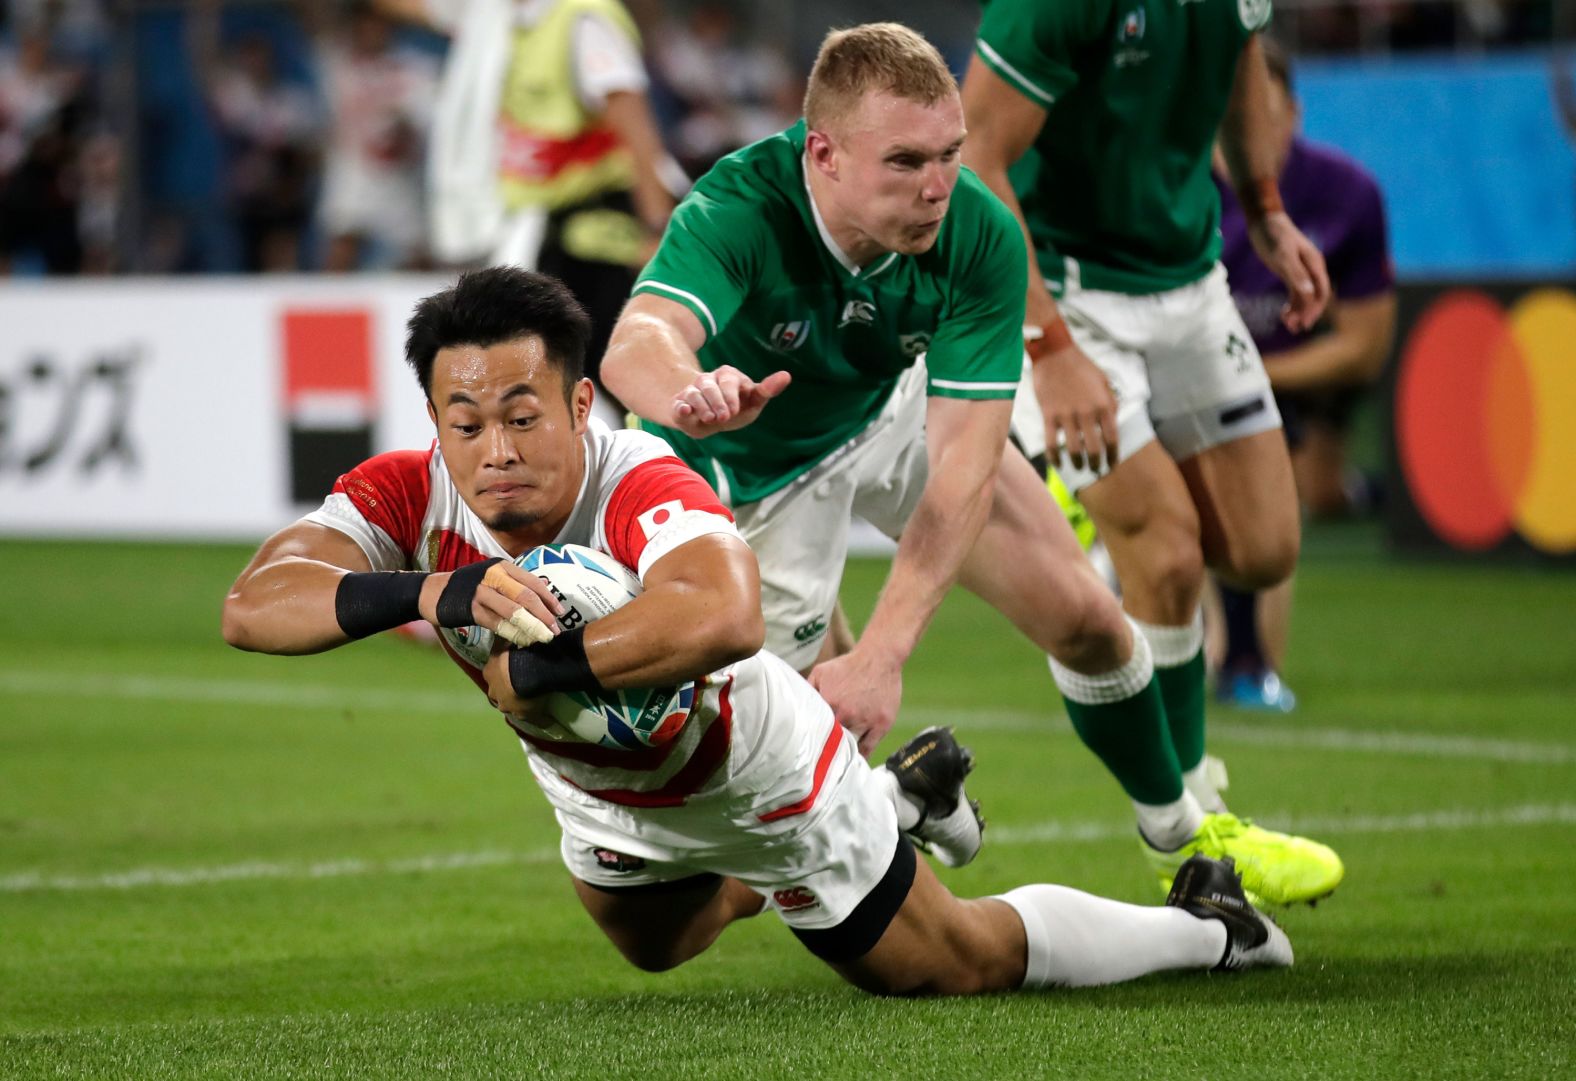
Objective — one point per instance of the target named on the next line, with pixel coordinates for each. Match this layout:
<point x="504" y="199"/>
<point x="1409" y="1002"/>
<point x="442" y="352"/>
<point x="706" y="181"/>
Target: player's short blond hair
<point x="873" y="58"/>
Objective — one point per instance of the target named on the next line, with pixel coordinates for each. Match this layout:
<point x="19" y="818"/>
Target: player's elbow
<point x="744" y="636"/>
<point x="732" y="631"/>
<point x="236" y="625"/>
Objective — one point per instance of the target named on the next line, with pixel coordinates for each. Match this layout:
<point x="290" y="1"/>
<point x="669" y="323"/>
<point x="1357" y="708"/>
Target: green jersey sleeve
<point x="708" y="257"/>
<point x="1031" y="44"/>
<point x="977" y="350"/>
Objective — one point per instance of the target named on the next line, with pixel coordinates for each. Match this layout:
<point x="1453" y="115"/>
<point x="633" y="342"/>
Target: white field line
<point x="1041" y="833"/>
<point x="1277" y="733"/>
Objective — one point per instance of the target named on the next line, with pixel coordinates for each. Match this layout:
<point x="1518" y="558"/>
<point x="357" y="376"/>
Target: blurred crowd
<point x="166" y="136"/>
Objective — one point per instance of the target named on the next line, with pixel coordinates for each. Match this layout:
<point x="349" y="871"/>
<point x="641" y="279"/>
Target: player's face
<point x="510" y="439"/>
<point x="897" y="163"/>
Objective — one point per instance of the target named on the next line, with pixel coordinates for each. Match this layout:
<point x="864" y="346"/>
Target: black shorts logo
<point x="617" y="862"/>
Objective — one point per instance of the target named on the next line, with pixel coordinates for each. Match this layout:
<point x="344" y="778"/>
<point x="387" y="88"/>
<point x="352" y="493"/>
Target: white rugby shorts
<point x="1181" y="363"/>
<point x="800" y="532"/>
<point x="813" y="865"/>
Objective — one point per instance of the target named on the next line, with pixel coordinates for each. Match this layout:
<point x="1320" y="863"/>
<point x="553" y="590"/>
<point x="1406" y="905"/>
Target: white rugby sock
<point x="1079" y="940"/>
<point x="1203" y="780"/>
<point x="1172" y="646"/>
<point x="908" y="807"/>
<point x="1169" y="826"/>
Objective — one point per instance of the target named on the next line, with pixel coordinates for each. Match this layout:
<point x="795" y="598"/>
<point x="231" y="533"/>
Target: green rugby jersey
<point x="745" y="252"/>
<point x="1118" y="179"/>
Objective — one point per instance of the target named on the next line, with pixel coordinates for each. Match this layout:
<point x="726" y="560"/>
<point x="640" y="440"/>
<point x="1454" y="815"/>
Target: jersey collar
<point x="854" y="269"/>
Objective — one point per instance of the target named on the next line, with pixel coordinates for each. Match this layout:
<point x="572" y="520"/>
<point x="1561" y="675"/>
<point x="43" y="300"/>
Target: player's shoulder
<point x="760" y="176"/>
<point x="973" y="199"/>
<point x="1333" y="170"/>
<point x="1020" y="24"/>
<point x="980" y="230"/>
<point x="616" y="453"/>
<point x="405" y="473"/>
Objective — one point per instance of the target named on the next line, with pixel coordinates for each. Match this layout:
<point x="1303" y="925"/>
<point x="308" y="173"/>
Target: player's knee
<point x="1091" y="632"/>
<point x="1267" y="561"/>
<point x="1175" y="569"/>
<point x="654" y="958"/>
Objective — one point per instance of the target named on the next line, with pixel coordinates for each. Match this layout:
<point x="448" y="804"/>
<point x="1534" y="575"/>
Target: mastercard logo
<point x="1486" y="419"/>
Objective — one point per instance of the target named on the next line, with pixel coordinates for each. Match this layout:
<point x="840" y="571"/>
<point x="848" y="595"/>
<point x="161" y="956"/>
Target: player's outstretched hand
<point x="506" y="599"/>
<point x="1079" y="408"/>
<point x="1296" y="261"/>
<point x="724" y="400"/>
<point x="864" y="694"/>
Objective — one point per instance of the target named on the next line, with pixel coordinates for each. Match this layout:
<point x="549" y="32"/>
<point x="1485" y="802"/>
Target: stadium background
<point x="210" y="862"/>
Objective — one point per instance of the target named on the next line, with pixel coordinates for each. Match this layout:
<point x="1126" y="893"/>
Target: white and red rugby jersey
<point x="638" y="502"/>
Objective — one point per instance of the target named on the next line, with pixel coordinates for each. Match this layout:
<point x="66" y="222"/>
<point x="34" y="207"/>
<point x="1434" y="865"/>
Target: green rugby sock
<point x="1121" y="717"/>
<point x="1182" y="690"/>
<point x="1130" y="737"/>
<point x="1179" y="669"/>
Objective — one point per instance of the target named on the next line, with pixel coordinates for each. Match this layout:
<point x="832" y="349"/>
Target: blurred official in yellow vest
<point x="543" y="151"/>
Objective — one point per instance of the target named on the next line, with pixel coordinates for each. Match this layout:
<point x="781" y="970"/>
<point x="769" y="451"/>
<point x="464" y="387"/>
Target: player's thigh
<point x="1028" y="565"/>
<point x="939" y="944"/>
<point x="1207" y="381"/>
<point x="661" y="925"/>
<point x="1110" y="329"/>
<point x="658" y="914"/>
<point x="891" y="466"/>
<point x="1146" y="518"/>
<point x="1246" y="497"/>
<point x="1214" y="413"/>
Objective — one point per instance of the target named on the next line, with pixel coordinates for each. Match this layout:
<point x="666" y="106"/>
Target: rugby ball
<point x="590" y="584"/>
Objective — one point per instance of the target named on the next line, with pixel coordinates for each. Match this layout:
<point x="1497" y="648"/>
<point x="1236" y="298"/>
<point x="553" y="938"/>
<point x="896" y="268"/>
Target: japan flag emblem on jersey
<point x="659" y="516"/>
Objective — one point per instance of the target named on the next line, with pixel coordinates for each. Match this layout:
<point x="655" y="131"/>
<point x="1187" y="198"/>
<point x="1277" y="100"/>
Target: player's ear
<point x="580" y="404"/>
<point x="818" y="148"/>
<point x="432" y="413"/>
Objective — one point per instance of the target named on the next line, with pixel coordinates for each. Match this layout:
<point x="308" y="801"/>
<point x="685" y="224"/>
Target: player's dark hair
<point x="500" y="304"/>
<point x="1279" y="63"/>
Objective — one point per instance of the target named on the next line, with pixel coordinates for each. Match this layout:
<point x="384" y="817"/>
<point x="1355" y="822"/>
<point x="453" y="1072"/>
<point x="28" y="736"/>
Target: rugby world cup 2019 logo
<point x="1129" y="36"/>
<point x="1132" y="28"/>
<point x="1485" y="419"/>
<point x="786" y="337"/>
<point x="1253" y="13"/>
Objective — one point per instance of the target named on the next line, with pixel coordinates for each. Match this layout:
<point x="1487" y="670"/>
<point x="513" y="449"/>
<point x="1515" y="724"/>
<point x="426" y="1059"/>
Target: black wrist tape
<point x="559" y="665"/>
<point x="371" y="601"/>
<point x="454" y="603"/>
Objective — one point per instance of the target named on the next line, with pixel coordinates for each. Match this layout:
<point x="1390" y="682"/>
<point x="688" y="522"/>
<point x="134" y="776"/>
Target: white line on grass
<point x="1040" y="833"/>
<point x="321" y="696"/>
<point x="138" y="877"/>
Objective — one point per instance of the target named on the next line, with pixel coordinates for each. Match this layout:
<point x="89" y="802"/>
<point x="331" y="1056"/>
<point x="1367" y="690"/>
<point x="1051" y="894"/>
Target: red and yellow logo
<point x="1485" y="420"/>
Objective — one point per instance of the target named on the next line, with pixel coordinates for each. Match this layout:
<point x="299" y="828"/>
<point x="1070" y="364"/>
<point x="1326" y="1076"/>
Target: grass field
<point x="222" y="865"/>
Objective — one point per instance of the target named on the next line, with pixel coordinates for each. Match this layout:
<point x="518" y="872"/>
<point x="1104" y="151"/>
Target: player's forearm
<point x="1247" y="134"/>
<point x="1352" y="354"/>
<point x="935" y="542"/>
<point x="1331" y="361"/>
<point x="647" y="364"/>
<point x="681" y="633"/>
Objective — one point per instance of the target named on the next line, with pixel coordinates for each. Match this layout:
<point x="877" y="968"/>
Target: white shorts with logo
<point x="1181" y="363"/>
<point x="800" y="819"/>
<point x="800" y="532"/>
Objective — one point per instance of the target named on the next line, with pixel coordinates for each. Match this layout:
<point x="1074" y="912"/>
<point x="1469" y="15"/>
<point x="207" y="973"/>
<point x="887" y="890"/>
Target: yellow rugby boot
<point x="1276" y="868"/>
